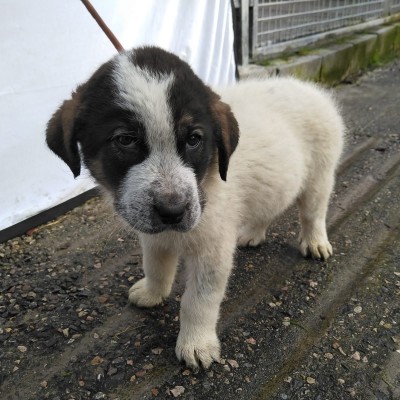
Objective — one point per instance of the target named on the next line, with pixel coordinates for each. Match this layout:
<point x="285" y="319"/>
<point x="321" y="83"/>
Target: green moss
<point x="382" y="45"/>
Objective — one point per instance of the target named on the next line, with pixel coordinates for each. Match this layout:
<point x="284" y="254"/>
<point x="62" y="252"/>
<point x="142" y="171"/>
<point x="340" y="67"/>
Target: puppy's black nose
<point x="170" y="213"/>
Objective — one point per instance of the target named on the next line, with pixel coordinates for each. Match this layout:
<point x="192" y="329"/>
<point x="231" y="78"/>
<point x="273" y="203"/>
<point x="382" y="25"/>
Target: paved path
<point x="291" y="328"/>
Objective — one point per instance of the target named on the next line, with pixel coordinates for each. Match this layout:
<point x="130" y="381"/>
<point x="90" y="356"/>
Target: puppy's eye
<point x="194" y="138"/>
<point x="123" y="139"/>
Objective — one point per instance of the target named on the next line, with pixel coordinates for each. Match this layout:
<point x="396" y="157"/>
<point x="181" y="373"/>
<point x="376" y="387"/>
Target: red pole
<point x="103" y="25"/>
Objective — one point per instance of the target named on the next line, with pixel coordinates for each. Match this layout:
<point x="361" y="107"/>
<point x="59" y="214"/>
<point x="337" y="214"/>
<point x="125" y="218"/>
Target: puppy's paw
<point x="142" y="296"/>
<point x="315" y="248"/>
<point x="203" y="350"/>
<point x="251" y="237"/>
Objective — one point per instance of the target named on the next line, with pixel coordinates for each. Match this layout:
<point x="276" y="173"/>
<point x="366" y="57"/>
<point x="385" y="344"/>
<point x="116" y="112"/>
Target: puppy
<point x="160" y="142"/>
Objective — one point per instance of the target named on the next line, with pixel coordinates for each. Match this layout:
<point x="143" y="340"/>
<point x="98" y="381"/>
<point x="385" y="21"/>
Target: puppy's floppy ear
<point x="227" y="132"/>
<point x="60" y="132"/>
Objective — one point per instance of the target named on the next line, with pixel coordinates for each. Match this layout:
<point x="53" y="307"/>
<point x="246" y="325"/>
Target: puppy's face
<point x="149" y="130"/>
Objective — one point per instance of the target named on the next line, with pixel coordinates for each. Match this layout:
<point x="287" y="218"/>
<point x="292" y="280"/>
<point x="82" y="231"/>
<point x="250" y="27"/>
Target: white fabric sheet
<point x="47" y="47"/>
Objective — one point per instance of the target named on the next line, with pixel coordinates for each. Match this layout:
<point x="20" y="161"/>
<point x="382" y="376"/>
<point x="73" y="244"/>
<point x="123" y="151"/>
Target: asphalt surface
<point x="291" y="328"/>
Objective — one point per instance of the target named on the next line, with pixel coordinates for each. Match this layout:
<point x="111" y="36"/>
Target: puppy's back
<point x="276" y="109"/>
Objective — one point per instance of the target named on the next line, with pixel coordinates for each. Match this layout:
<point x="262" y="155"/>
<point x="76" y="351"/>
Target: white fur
<point x="290" y="143"/>
<point x="146" y="94"/>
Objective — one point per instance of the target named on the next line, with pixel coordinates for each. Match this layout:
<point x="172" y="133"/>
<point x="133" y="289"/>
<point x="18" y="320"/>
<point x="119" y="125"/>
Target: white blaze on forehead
<point x="145" y="92"/>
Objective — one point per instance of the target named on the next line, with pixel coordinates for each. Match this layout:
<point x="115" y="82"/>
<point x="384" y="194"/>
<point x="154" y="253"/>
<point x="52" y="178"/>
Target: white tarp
<point x="47" y="47"/>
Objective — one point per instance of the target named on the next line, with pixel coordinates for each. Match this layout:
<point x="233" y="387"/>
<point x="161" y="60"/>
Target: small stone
<point x="118" y="361"/>
<point x="81" y="383"/>
<point x="129" y="362"/>
<point x="251" y="341"/>
<point x="65" y="332"/>
<point x="335" y="345"/>
<point x="288" y="379"/>
<point x="112" y="371"/>
<point x="148" y="367"/>
<point x="103" y="299"/>
<point x="233" y="363"/>
<point x="99" y="396"/>
<point x="132" y="378"/>
<point x="97" y="360"/>
<point x="341" y="351"/>
<point x="328" y="356"/>
<point x="186" y="372"/>
<point x="22" y="349"/>
<point x="356" y="356"/>
<point x="177" y="391"/>
<point x="358" y="309"/>
<point x="157" y="350"/>
<point x="310" y="380"/>
<point x="44" y="384"/>
<point x="154" y="392"/>
<point x="341" y="381"/>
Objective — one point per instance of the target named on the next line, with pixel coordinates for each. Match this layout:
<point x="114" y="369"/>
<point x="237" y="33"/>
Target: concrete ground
<point x="291" y="328"/>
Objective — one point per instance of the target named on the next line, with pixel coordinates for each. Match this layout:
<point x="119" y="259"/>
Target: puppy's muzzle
<point x="170" y="212"/>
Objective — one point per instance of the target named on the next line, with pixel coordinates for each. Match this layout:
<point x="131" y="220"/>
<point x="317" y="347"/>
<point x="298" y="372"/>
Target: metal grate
<point x="279" y="23"/>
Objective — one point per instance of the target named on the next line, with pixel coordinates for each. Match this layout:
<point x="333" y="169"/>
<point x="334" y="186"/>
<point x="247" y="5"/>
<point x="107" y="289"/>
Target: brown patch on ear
<point x="228" y="132"/>
<point x="60" y="132"/>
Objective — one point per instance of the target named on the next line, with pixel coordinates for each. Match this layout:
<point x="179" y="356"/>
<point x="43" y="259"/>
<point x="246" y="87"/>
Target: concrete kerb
<point x="335" y="63"/>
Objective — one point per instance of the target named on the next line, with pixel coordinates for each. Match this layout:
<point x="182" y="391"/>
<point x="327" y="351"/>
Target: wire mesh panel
<point x="395" y="6"/>
<point x="282" y="21"/>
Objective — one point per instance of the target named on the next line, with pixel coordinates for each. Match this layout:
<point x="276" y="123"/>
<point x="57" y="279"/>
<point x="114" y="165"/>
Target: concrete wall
<point x="338" y="61"/>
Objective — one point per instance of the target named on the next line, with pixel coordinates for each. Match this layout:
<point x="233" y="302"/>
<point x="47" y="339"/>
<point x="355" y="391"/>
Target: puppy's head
<point x="148" y="129"/>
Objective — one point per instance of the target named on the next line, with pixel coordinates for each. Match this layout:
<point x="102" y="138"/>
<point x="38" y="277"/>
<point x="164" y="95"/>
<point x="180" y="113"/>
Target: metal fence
<point x="281" y="24"/>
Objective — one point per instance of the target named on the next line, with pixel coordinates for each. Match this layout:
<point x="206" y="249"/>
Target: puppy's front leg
<point x="207" y="278"/>
<point x="159" y="267"/>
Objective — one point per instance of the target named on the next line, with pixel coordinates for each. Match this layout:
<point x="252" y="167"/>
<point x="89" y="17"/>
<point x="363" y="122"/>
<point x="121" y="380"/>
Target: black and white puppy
<point x="160" y="142"/>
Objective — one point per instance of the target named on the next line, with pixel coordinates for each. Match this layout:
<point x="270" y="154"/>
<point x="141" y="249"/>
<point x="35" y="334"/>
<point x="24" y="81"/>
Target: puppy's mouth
<point x="160" y="217"/>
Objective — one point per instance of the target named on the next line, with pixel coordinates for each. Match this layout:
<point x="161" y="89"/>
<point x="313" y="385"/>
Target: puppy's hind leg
<point x="313" y="206"/>
<point x="159" y="267"/>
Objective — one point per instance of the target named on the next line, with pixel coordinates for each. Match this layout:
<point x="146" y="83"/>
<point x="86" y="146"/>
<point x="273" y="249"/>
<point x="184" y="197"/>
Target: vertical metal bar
<point x="244" y="13"/>
<point x="254" y="28"/>
<point x="387" y="6"/>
